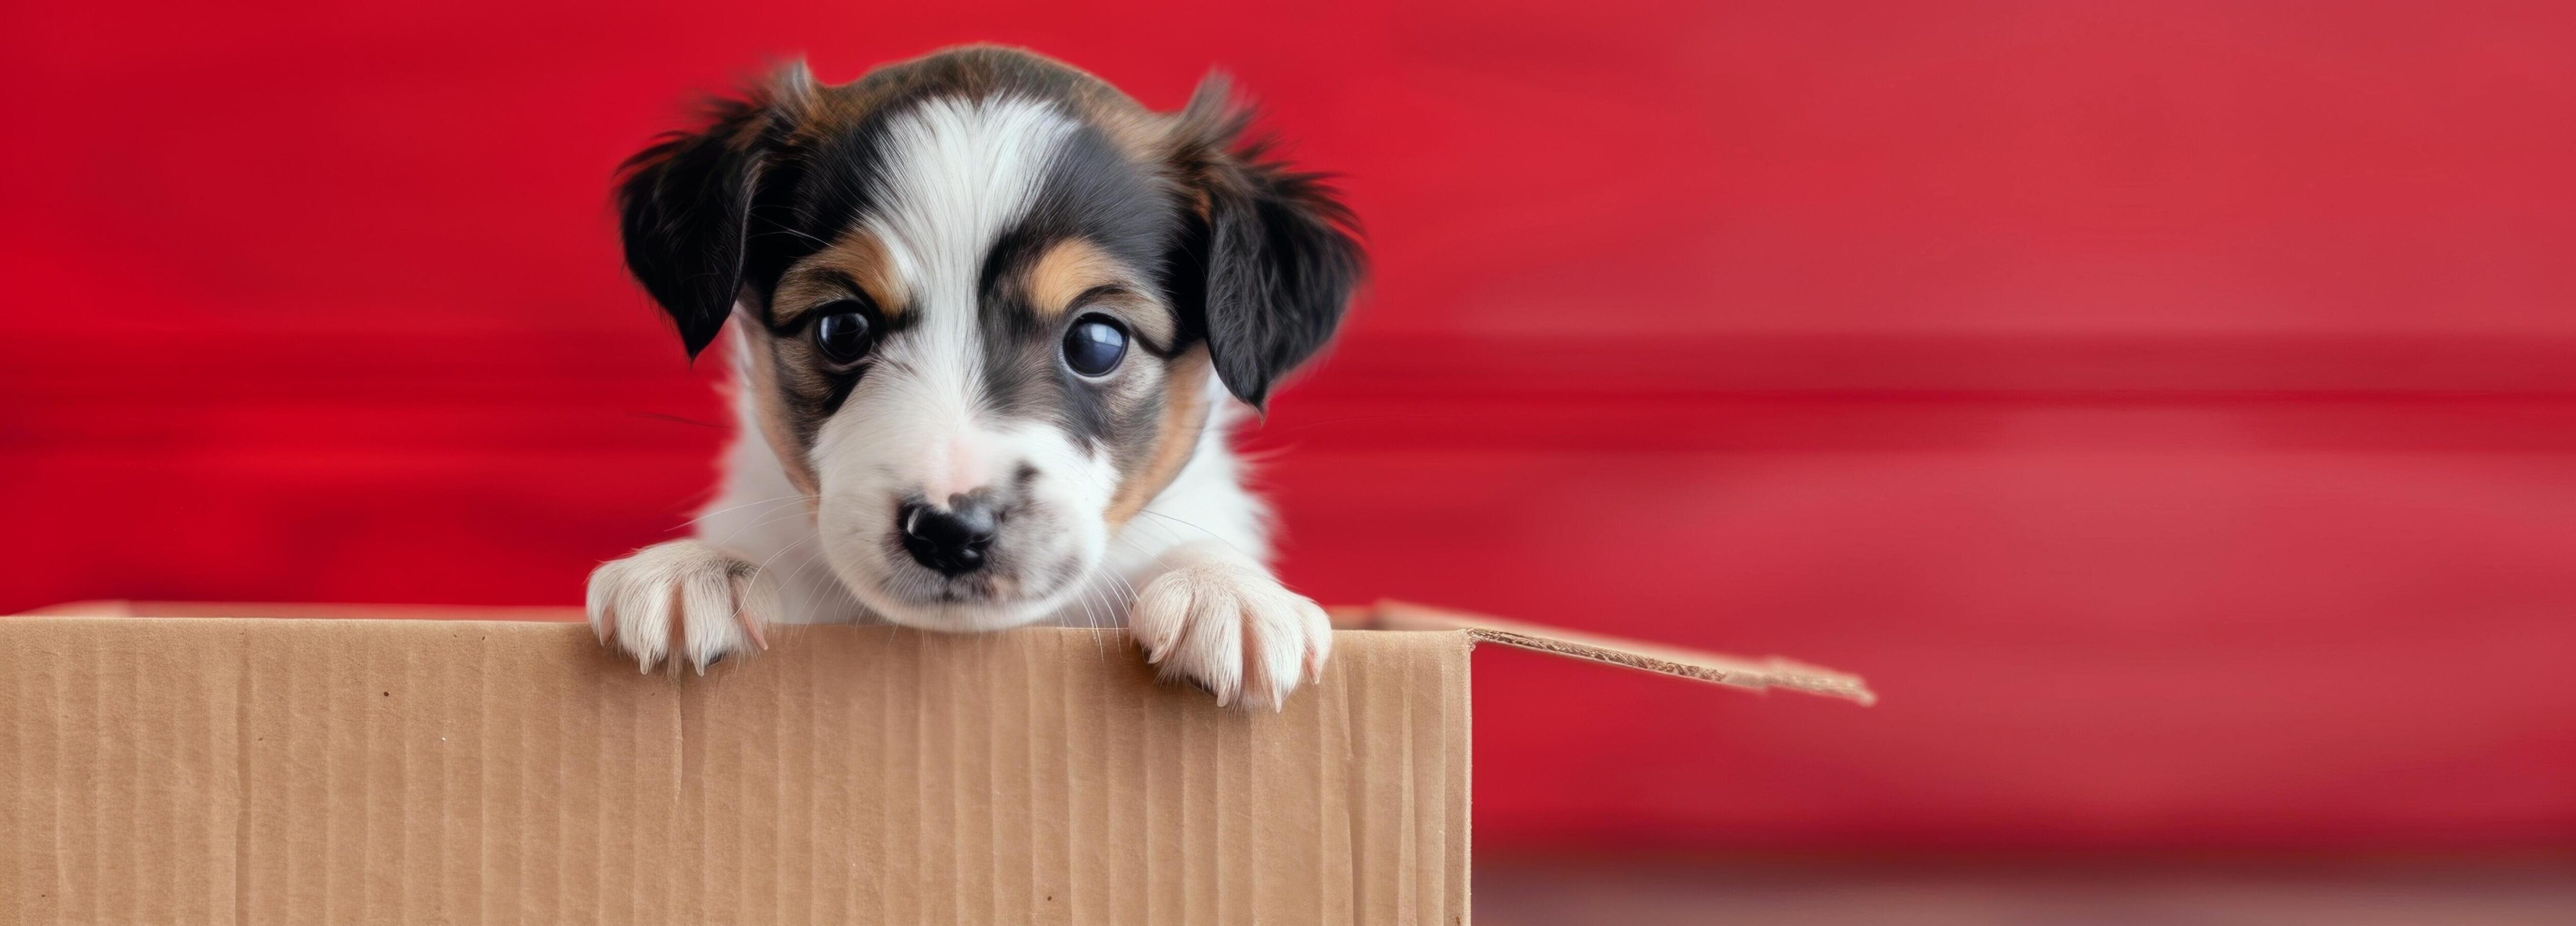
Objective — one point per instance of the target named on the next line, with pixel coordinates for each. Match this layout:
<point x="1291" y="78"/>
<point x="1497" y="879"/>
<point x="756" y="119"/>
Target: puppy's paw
<point x="1231" y="628"/>
<point x="683" y="600"/>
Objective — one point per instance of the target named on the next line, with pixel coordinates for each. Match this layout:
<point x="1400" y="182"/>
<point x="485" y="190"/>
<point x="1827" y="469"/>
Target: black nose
<point x="952" y="541"/>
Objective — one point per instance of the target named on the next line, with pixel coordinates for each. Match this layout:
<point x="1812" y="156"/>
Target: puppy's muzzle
<point x="952" y="540"/>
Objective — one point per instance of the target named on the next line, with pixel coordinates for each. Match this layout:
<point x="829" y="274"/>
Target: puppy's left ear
<point x="1268" y="268"/>
<point x="684" y="205"/>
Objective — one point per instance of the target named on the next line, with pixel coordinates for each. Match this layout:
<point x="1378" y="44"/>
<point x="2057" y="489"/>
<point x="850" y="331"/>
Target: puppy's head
<point x="981" y="297"/>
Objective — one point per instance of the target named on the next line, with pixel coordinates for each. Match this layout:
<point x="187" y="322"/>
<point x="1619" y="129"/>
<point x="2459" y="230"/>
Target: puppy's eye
<point x="845" y="331"/>
<point x="1094" y="345"/>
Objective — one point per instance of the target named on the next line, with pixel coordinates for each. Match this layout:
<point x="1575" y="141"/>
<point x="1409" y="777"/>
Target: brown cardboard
<point x="245" y="771"/>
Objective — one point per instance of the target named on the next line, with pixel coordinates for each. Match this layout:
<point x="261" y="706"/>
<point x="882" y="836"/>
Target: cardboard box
<point x="219" y="769"/>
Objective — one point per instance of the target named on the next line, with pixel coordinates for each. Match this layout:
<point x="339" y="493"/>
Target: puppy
<point x="992" y="321"/>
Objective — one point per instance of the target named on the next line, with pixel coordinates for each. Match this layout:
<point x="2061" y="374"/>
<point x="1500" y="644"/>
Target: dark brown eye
<point x="845" y="331"/>
<point x="1094" y="345"/>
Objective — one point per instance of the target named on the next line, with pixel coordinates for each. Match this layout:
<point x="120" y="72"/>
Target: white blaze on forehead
<point x="953" y="174"/>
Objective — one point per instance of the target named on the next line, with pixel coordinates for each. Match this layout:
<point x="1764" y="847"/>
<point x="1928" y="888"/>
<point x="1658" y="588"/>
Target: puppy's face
<point x="981" y="299"/>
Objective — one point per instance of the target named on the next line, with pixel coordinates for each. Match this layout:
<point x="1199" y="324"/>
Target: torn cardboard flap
<point x="1766" y="673"/>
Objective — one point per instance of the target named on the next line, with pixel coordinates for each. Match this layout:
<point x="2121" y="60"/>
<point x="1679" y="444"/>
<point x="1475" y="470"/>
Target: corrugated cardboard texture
<point x="244" y="771"/>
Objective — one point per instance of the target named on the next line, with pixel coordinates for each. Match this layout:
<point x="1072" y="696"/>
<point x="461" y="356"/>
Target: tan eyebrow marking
<point x="857" y="258"/>
<point x="1072" y="267"/>
<point x="1075" y="272"/>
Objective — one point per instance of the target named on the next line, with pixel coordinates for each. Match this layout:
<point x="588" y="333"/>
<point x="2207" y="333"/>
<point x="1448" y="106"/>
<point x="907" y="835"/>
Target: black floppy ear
<point x="684" y="204"/>
<point x="1277" y="251"/>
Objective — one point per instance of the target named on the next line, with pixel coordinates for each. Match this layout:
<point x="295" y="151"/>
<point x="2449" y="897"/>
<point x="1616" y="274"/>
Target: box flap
<point x="1760" y="674"/>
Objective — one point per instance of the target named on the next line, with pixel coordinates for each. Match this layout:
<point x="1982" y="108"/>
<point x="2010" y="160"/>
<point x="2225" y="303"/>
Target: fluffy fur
<point x="967" y="211"/>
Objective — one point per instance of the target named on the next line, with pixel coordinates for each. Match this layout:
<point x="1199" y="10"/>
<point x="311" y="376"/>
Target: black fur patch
<point x="1094" y="194"/>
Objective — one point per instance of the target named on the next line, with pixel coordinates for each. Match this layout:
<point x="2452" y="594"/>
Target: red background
<point x="2170" y="406"/>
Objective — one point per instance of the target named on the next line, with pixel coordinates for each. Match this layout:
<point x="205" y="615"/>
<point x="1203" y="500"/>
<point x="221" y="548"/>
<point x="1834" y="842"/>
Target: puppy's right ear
<point x="684" y="204"/>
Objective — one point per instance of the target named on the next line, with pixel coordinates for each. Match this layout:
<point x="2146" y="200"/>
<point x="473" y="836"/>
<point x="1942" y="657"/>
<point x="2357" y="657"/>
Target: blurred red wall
<point x="2170" y="406"/>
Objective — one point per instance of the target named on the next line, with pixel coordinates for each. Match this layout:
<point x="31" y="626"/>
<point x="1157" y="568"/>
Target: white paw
<point x="682" y="599"/>
<point x="1231" y="628"/>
